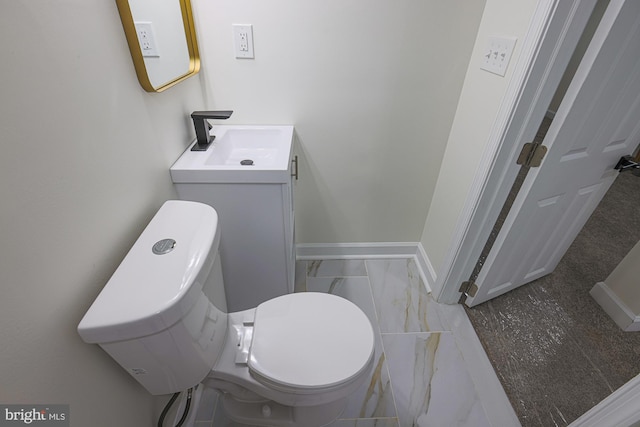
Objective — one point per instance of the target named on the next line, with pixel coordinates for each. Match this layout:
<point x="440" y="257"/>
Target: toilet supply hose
<point x="168" y="406"/>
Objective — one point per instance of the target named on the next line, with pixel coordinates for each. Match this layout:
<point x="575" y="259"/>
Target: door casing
<point x="551" y="39"/>
<point x="553" y="34"/>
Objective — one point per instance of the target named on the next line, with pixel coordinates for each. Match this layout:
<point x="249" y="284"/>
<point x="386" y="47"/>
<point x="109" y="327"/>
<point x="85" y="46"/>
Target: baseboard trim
<point x="313" y="251"/>
<point x="371" y="250"/>
<point x="624" y="317"/>
<point x="427" y="271"/>
<point x="621" y="408"/>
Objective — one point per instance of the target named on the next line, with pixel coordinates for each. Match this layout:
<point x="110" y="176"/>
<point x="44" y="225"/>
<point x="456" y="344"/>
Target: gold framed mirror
<point x="162" y="39"/>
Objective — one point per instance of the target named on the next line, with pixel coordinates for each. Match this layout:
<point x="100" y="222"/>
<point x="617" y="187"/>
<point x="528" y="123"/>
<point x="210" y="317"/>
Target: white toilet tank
<point x="162" y="315"/>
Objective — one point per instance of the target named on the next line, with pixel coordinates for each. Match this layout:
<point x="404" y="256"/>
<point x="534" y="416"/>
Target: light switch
<point x="497" y="54"/>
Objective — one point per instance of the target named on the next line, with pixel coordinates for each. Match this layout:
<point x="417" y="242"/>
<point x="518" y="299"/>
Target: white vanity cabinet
<point x="256" y="220"/>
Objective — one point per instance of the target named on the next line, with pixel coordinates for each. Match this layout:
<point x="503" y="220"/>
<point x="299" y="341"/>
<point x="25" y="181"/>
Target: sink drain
<point x="247" y="162"/>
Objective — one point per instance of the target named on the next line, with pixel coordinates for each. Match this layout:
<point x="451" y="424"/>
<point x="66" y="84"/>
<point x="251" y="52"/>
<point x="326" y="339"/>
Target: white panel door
<point x="597" y="123"/>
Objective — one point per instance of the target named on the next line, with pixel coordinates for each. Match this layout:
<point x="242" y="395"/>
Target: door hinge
<point x="468" y="288"/>
<point x="531" y="155"/>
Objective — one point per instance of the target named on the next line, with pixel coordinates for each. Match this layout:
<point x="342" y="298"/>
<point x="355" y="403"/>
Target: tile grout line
<point x="384" y="352"/>
<point x="416" y="332"/>
<point x="375" y="312"/>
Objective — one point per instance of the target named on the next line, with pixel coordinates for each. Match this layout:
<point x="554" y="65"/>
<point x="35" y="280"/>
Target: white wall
<point x="479" y="102"/>
<point x="84" y="164"/>
<point x="623" y="280"/>
<point x="619" y="294"/>
<point x="371" y="87"/>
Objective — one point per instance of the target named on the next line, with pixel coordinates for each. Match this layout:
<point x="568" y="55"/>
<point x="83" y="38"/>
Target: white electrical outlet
<point x="147" y="39"/>
<point x="497" y="54"/>
<point x="243" y="41"/>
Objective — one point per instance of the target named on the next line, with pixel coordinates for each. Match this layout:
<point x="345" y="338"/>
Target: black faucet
<point x="202" y="127"/>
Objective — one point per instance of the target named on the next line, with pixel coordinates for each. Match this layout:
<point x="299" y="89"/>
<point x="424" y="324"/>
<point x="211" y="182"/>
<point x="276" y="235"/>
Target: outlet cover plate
<point x="147" y="39"/>
<point x="243" y="41"/>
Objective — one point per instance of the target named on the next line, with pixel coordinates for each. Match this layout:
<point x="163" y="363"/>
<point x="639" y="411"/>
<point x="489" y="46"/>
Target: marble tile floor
<point x="420" y="376"/>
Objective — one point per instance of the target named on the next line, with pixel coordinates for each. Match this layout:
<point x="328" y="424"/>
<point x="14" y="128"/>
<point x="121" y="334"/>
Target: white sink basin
<point x="239" y="153"/>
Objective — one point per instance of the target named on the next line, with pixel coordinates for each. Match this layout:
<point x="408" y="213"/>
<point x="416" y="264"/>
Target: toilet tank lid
<point x="155" y="286"/>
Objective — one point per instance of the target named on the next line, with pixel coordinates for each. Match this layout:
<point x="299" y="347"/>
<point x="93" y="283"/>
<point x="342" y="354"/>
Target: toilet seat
<point x="309" y="343"/>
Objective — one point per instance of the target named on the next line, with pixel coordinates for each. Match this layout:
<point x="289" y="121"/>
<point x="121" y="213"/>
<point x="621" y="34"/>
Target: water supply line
<point x="168" y="406"/>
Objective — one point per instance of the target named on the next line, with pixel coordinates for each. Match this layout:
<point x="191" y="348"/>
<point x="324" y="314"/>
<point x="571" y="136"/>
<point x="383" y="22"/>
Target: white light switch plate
<point x="497" y="54"/>
<point x="243" y="41"/>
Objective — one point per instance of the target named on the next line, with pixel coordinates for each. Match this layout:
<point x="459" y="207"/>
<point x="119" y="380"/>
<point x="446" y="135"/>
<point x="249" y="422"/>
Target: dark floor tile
<point x="556" y="352"/>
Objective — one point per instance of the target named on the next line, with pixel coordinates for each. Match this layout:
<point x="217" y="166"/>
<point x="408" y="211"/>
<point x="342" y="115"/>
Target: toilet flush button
<point x="266" y="411"/>
<point x="163" y="246"/>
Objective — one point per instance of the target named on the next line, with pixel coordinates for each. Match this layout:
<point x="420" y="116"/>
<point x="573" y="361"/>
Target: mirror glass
<point x="162" y="41"/>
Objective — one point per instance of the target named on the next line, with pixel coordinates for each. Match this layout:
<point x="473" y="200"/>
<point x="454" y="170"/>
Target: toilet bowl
<point x="291" y="361"/>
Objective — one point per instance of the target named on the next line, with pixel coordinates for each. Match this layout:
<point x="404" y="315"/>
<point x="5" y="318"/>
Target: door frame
<point x="621" y="408"/>
<point x="550" y="41"/>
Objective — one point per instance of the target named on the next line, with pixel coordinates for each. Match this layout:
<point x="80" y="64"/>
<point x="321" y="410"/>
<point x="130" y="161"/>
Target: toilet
<point x="290" y="361"/>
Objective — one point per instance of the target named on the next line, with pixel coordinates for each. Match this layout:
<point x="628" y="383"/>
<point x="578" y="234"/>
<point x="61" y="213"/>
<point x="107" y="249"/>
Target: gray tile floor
<point x="556" y="352"/>
<point x="420" y="376"/>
